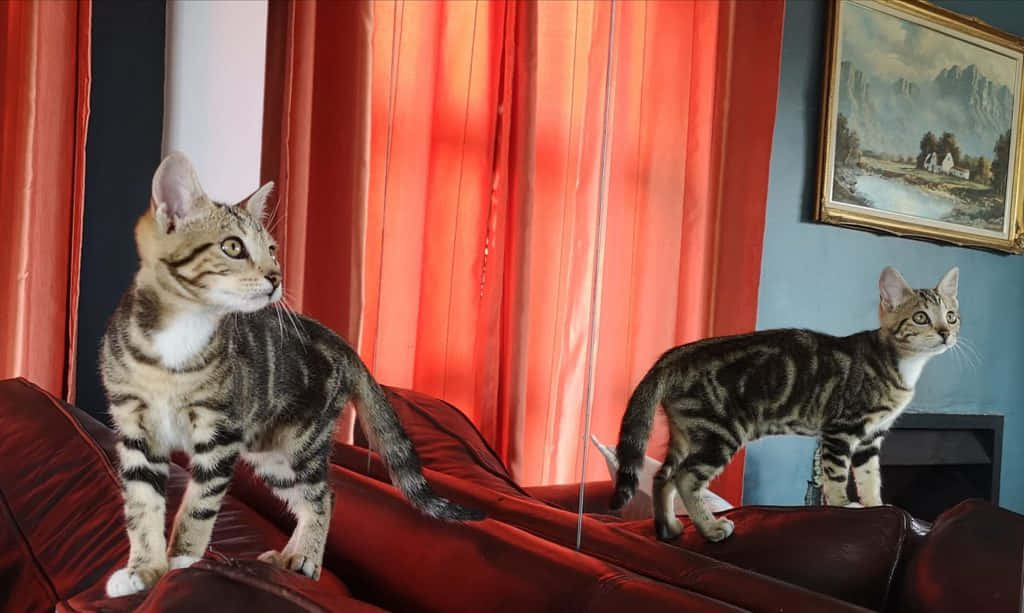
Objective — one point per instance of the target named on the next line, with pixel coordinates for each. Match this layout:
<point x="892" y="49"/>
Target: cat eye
<point x="921" y="318"/>
<point x="951" y="317"/>
<point x="233" y="248"/>
<point x="273" y="250"/>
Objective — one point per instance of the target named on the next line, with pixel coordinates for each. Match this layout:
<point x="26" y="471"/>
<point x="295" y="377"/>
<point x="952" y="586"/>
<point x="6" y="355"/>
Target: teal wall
<point x="825" y="278"/>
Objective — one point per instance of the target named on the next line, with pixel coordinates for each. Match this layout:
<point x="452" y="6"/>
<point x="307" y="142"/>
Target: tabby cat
<point x="721" y="393"/>
<point x="198" y="357"/>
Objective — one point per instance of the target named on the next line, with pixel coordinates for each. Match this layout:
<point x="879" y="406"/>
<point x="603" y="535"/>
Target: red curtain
<point x="44" y="109"/>
<point x="481" y="196"/>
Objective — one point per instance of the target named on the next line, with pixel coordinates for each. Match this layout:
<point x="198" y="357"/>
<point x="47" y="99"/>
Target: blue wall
<point x="825" y="277"/>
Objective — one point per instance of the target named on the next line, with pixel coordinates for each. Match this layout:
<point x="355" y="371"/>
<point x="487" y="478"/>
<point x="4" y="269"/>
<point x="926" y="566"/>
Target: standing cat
<point x="195" y="358"/>
<point x="721" y="393"/>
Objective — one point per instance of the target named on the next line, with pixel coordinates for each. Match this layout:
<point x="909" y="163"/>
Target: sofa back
<point x="708" y="569"/>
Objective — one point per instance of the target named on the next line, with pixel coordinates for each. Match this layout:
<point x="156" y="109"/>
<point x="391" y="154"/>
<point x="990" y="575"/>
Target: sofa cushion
<point x="23" y="584"/>
<point x="976" y="547"/>
<point x="862" y="548"/>
<point x="62" y="499"/>
<point x="624" y="548"/>
<point x="851" y="554"/>
<point x="61" y="492"/>
<point x="446" y="441"/>
<point x="406" y="561"/>
<point x="242" y="585"/>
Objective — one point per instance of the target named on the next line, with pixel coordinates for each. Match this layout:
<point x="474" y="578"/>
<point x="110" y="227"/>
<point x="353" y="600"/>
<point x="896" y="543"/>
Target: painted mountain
<point x="892" y="116"/>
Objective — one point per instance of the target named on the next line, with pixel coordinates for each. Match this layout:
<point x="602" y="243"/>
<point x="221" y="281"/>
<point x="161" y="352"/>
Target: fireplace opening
<point x="932" y="461"/>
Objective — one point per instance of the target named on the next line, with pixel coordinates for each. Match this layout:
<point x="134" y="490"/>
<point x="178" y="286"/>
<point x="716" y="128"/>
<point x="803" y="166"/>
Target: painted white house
<point x="946" y="166"/>
<point x="963" y="173"/>
<point x="947" y="163"/>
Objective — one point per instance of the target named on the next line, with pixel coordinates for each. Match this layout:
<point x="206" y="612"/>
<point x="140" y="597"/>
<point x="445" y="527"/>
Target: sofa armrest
<point x="567" y="496"/>
<point x="971" y="560"/>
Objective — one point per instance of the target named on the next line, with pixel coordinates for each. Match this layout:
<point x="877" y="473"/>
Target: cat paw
<point x="668" y="531"/>
<point x="294" y="562"/>
<point x="854" y="505"/>
<point x="718" y="530"/>
<point x="183" y="561"/>
<point x="131" y="580"/>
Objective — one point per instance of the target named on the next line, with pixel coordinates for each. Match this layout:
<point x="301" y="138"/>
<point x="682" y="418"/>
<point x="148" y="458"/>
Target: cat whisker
<point x="292" y="319"/>
<point x="958" y="356"/>
<point x="969" y="346"/>
<point x="964" y="356"/>
<point x="273" y="222"/>
<point x="271" y="216"/>
<point x="280" y="325"/>
<point x="969" y="351"/>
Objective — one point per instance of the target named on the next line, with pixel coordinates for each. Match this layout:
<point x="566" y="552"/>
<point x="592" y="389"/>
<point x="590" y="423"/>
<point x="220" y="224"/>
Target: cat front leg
<point x="213" y="464"/>
<point x="866" y="471"/>
<point x="835" y="467"/>
<point x="144" y="466"/>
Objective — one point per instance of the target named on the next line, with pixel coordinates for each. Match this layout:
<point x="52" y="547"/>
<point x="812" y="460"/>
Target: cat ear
<point x="947" y="286"/>
<point x="892" y="288"/>
<point x="177" y="194"/>
<point x="256" y="204"/>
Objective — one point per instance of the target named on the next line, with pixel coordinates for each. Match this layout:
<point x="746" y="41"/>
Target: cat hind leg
<point x="711" y="451"/>
<point x="312" y="505"/>
<point x="666" y="525"/>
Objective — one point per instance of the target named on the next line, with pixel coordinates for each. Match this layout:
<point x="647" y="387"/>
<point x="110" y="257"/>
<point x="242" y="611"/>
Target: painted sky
<point x="888" y="48"/>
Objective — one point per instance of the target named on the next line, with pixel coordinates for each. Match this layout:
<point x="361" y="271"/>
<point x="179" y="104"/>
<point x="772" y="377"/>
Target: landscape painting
<point x="922" y="125"/>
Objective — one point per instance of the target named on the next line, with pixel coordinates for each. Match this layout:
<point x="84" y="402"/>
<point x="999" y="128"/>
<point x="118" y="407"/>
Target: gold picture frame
<point x="921" y="127"/>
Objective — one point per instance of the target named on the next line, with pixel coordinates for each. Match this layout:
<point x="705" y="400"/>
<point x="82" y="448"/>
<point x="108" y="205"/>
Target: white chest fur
<point x="910" y="369"/>
<point x="185" y="337"/>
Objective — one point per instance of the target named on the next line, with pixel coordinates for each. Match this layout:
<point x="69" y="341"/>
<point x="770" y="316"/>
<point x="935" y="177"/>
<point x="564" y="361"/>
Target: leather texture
<point x="972" y="560"/>
<point x="61" y="535"/>
<point x="863" y="557"/>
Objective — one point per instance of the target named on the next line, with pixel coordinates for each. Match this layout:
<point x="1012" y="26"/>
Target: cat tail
<point x="381" y="426"/>
<point x="634" y="434"/>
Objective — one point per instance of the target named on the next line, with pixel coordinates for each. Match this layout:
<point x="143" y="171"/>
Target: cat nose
<point x="944" y="334"/>
<point x="274" y="278"/>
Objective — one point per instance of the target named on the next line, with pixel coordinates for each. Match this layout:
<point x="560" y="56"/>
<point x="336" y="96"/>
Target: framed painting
<point x="921" y="126"/>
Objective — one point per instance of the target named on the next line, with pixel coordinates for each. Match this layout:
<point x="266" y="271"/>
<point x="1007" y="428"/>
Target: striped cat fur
<point x="199" y="357"/>
<point x="722" y="393"/>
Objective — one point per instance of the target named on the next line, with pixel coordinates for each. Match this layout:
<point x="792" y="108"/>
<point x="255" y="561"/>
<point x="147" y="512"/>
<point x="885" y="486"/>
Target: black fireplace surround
<point x="932" y="461"/>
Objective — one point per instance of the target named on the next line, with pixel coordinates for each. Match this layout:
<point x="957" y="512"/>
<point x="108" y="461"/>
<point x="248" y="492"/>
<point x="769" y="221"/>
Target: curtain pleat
<point x="443" y="213"/>
<point x="44" y="86"/>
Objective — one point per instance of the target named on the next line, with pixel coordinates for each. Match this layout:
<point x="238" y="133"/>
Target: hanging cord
<point x="396" y="50"/>
<point x="595" y="303"/>
<point x="396" y="57"/>
<point x="458" y="200"/>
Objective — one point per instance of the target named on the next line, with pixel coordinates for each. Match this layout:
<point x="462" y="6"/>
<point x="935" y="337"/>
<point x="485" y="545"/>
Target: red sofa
<point x="62" y="534"/>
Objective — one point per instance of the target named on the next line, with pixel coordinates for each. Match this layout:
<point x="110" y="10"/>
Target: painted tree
<point x="1001" y="162"/>
<point x="948" y="144"/>
<point x="982" y="170"/>
<point x="847" y="143"/>
<point x="928" y="144"/>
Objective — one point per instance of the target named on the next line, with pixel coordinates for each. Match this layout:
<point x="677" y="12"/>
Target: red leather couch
<point x="62" y="534"/>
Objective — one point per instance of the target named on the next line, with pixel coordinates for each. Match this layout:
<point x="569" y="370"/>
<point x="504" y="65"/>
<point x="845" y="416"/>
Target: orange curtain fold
<point x="44" y="89"/>
<point x="440" y="167"/>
